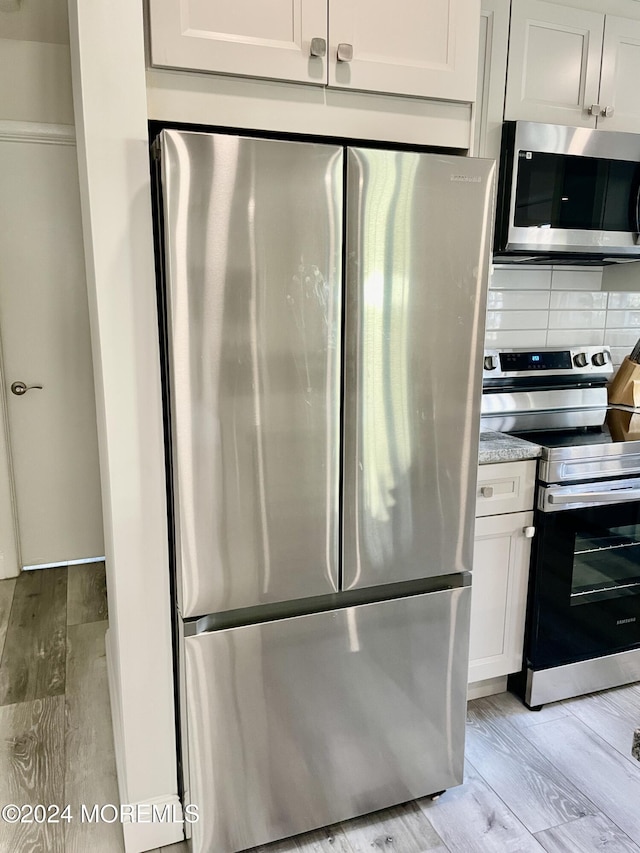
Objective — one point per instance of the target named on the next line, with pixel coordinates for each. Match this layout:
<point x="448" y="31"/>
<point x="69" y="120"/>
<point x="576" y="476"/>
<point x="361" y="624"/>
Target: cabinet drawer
<point x="505" y="487"/>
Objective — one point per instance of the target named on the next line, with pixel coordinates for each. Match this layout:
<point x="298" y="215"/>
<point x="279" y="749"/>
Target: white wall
<point x="559" y="306"/>
<point x="35" y="67"/>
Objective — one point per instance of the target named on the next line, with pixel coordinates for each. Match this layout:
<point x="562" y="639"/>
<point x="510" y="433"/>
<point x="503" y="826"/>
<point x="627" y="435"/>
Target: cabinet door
<point x="492" y="74"/>
<point x="406" y="47"/>
<point x="270" y="38"/>
<point x="554" y="63"/>
<point x="620" y="75"/>
<point x="499" y="594"/>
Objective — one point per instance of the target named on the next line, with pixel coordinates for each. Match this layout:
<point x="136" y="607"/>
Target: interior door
<point x="44" y="329"/>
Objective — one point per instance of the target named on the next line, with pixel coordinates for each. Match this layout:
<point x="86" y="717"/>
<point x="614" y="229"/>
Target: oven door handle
<point x="611" y="497"/>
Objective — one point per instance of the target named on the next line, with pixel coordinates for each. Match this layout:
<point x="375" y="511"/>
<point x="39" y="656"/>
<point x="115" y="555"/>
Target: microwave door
<point x="568" y="191"/>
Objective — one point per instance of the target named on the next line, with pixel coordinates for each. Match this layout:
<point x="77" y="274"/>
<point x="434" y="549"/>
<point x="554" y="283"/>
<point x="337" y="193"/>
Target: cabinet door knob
<point x="529" y="532"/>
<point x="486" y="491"/>
<point x="595" y="109"/>
<point x="318" y="47"/>
<point x="345" y="52"/>
<point x="607" y="112"/>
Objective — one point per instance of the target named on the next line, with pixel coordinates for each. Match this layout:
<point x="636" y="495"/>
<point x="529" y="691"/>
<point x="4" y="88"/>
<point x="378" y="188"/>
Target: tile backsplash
<point x="559" y="306"/>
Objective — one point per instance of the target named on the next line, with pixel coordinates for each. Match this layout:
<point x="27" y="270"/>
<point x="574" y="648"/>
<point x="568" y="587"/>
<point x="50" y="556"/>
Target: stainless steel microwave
<point x="567" y="194"/>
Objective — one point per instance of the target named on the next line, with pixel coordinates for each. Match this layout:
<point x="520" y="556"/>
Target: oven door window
<point x="606" y="563"/>
<point x="585" y="584"/>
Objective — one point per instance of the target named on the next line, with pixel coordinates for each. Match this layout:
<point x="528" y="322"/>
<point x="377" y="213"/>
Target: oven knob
<point x="580" y="360"/>
<point x="489" y="362"/>
<point x="600" y="358"/>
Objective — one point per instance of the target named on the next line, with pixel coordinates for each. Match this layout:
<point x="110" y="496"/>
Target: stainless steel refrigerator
<point x="322" y="309"/>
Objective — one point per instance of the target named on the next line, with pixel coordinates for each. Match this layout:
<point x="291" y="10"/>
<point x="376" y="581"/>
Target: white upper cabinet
<point x="410" y="47"/>
<point x="554" y="63"/>
<point x="261" y="38"/>
<point x="407" y="47"/>
<point x="573" y="66"/>
<point x="619" y="82"/>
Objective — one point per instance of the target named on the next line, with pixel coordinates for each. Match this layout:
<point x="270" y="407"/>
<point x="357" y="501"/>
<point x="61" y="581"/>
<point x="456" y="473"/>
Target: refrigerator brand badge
<point x="467" y="179"/>
<point x="626" y="621"/>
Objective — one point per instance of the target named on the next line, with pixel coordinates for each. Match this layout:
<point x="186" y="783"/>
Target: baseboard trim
<point x="159" y="824"/>
<point x="82" y="562"/>
<point x="487" y="687"/>
<point x="116" y="716"/>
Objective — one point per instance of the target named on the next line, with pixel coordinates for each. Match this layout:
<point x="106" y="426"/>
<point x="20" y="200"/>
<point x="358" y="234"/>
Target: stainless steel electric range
<point x="583" y="609"/>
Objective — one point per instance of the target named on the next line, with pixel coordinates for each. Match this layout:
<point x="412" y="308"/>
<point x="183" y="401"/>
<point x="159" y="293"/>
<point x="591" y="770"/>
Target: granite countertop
<point x="499" y="447"/>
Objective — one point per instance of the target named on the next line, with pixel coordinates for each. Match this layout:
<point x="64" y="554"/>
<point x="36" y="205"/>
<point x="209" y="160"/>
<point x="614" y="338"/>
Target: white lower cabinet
<point x="499" y="594"/>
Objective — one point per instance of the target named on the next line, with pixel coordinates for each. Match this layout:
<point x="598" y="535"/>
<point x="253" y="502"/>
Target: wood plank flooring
<point x="88" y="738"/>
<point x="6" y="597"/>
<point x="33" y="658"/>
<point x="87" y="594"/>
<point x="561" y="780"/>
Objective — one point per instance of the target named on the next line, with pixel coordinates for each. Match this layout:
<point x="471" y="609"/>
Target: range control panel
<point x="576" y="361"/>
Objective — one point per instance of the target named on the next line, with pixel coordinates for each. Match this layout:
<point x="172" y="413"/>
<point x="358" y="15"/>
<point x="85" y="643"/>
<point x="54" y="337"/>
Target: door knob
<point x="529" y="532"/>
<point x="607" y="112"/>
<point x="345" y="52"/>
<point x="595" y="109"/>
<point x="20" y="388"/>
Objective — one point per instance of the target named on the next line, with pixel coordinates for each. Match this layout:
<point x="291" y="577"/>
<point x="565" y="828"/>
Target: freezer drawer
<point x="302" y="722"/>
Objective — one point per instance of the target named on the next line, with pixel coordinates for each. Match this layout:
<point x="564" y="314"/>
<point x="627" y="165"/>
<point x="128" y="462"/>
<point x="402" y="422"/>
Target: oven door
<point x="584" y="598"/>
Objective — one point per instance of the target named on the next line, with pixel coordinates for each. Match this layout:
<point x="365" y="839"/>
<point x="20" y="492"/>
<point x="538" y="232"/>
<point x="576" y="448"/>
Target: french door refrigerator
<point x="322" y="309"/>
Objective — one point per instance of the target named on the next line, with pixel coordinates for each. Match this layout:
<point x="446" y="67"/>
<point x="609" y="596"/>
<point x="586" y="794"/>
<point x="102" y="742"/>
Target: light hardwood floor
<point x="561" y="780"/>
